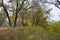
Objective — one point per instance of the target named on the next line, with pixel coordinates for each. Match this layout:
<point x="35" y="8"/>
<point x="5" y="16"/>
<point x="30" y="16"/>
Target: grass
<point x="26" y="33"/>
<point x="21" y="33"/>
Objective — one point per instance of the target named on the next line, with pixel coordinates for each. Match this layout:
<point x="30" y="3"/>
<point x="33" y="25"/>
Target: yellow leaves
<point x="12" y="19"/>
<point x="29" y="23"/>
<point x="26" y="22"/>
<point x="19" y="21"/>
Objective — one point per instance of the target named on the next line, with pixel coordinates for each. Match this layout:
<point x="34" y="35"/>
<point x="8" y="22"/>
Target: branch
<point x="57" y="6"/>
<point x="54" y="4"/>
<point x="27" y="9"/>
<point x="21" y="5"/>
<point x="30" y="7"/>
<point x="6" y="13"/>
<point x="58" y="1"/>
<point x="16" y="14"/>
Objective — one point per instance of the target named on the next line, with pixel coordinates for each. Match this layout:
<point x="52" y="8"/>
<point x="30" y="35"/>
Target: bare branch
<point x="58" y="1"/>
<point x="57" y="6"/>
<point x="21" y="5"/>
<point x="54" y="4"/>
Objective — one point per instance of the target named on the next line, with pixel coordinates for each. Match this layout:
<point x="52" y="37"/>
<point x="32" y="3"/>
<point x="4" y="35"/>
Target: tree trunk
<point x="6" y="13"/>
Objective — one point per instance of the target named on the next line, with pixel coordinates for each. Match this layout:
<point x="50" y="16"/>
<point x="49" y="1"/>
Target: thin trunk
<point x="16" y="14"/>
<point x="6" y="13"/>
<point x="17" y="11"/>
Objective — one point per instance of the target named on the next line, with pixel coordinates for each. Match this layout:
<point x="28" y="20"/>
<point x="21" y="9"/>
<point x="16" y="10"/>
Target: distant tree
<point x="40" y="15"/>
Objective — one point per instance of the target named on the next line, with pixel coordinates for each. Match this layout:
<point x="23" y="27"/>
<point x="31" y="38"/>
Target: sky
<point x="55" y="12"/>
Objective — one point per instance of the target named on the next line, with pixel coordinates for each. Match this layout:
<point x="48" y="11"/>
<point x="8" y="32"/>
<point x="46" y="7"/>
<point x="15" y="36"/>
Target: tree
<point x="20" y="7"/>
<point x="40" y="15"/>
<point x="17" y="10"/>
<point x="6" y="12"/>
